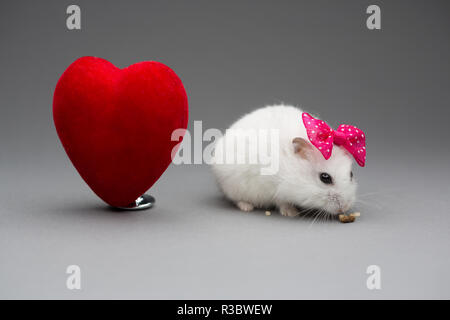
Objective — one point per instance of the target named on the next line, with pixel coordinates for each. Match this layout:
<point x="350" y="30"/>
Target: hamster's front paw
<point x="245" y="206"/>
<point x="288" y="210"/>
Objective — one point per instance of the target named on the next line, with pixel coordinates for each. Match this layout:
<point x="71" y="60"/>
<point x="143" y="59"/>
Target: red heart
<point x="116" y="124"/>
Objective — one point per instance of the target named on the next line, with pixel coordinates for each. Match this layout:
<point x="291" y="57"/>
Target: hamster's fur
<point x="297" y="183"/>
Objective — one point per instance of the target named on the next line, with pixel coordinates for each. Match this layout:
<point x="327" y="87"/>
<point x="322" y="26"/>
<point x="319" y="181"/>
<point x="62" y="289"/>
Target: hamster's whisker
<point x="325" y="217"/>
<point x="384" y="193"/>
<point x="370" y="194"/>
<point x="306" y="212"/>
<point x="330" y="217"/>
<point x="373" y="204"/>
<point x="321" y="211"/>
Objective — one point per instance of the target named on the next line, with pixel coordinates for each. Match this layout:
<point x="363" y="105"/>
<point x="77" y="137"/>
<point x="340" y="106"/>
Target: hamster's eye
<point x="351" y="175"/>
<point x="326" y="178"/>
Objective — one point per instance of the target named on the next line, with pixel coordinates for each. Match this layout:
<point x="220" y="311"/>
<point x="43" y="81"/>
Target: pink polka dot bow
<point x="323" y="137"/>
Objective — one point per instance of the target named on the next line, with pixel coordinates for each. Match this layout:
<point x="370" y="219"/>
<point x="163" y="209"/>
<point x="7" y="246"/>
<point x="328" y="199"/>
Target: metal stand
<point x="143" y="202"/>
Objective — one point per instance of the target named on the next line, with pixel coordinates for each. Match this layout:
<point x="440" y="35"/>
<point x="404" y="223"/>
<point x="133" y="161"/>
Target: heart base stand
<point x="142" y="203"/>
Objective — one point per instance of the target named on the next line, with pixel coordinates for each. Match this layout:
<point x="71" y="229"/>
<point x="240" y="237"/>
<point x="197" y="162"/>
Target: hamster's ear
<point x="302" y="147"/>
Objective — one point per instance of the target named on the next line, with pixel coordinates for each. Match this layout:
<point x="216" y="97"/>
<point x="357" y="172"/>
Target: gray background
<point x="233" y="56"/>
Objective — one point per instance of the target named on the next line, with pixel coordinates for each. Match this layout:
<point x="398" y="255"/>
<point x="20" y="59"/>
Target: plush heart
<point x="116" y="124"/>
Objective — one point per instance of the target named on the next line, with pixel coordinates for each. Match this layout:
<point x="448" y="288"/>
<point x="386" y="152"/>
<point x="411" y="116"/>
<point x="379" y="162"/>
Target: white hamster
<point x="303" y="179"/>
